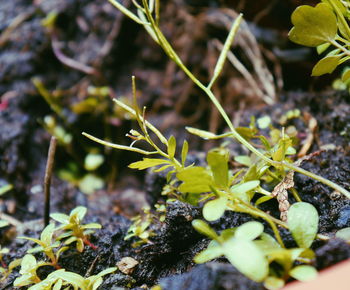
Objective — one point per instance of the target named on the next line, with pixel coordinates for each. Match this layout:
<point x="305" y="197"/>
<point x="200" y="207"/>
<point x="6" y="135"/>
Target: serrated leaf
<point x="203" y="228"/>
<point x="302" y="222"/>
<point x="201" y="133"/>
<point x="214" y="209"/>
<point x="218" y="163"/>
<point x="184" y="152"/>
<point x="195" y="180"/>
<point x="313" y="26"/>
<point x="208" y="254"/>
<point x="303" y="273"/>
<point x="249" y="231"/>
<point x="171" y="147"/>
<point x="147" y="163"/>
<point x="326" y="65"/>
<point x="247" y="258"/>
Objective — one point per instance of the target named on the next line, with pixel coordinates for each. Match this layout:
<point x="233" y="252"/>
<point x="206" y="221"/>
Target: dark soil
<point x="93" y="33"/>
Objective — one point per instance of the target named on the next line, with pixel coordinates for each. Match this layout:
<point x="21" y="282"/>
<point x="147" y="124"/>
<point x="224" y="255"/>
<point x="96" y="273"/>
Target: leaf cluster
<point x="325" y="27"/>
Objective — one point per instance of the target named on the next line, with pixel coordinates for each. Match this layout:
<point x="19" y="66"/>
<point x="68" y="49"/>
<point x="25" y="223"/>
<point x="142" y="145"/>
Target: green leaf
<point x="203" y="228"/>
<point x="184" y="152"/>
<point x="218" y="163"/>
<point x="5" y="188"/>
<point x="61" y="218"/>
<point x="323" y="47"/>
<point x="326" y="65"/>
<point x="245" y="187"/>
<point x="79" y="212"/>
<point x="280" y="152"/>
<point x="247" y="258"/>
<point x="171" y="147"/>
<point x="264" y="122"/>
<point x="343" y="234"/>
<point x="214" y="209"/>
<point x="201" y="133"/>
<point x="147" y="163"/>
<point x="303" y="223"/>
<point x="249" y="231"/>
<point x="93" y="161"/>
<point x="90" y="183"/>
<point x="243" y="159"/>
<point x="195" y="180"/>
<point x="346" y="75"/>
<point x="303" y="273"/>
<point x="313" y="26"/>
<point x="273" y="283"/>
<point x="208" y="254"/>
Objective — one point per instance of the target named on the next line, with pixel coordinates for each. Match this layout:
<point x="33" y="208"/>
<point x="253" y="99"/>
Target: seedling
<point x="74" y="230"/>
<point x="29" y="266"/>
<point x="79" y="282"/>
<point x="47" y="244"/>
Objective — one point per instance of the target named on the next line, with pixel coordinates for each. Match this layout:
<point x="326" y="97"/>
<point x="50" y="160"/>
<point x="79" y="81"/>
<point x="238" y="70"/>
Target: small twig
<point x="69" y="61"/>
<point x="92" y="266"/>
<point x="47" y="179"/>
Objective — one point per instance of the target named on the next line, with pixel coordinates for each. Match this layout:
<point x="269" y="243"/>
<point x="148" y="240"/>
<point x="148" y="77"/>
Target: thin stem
<point x="47" y="179"/>
<point x="337" y="45"/>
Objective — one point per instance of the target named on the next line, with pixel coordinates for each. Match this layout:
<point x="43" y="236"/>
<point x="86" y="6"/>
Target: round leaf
<point x="303" y="273"/>
<point x="343" y="234"/>
<point x="313" y="26"/>
<point x="214" y="209"/>
<point x="303" y="223"/>
<point x="247" y="258"/>
<point x="326" y="65"/>
<point x="249" y="231"/>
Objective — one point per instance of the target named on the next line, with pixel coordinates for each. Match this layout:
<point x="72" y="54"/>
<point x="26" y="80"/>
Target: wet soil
<point x="98" y="36"/>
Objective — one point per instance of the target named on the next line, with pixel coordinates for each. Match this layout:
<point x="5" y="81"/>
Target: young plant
<point x="325" y="27"/>
<point x="148" y="16"/>
<point x="74" y="230"/>
<point x="79" y="282"/>
<point x="29" y="266"/>
<point x="51" y="282"/>
<point x="47" y="244"/>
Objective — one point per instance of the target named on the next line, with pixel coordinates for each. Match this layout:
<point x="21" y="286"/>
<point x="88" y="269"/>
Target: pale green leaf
<point x="214" y="209"/>
<point x="343" y="234"/>
<point x="184" y="152"/>
<point x="249" y="231"/>
<point x="171" y="147"/>
<point x="203" y="228"/>
<point x="218" y="163"/>
<point x="313" y="26"/>
<point x="247" y="258"/>
<point x="147" y="163"/>
<point x="90" y="183"/>
<point x="3" y="223"/>
<point x="303" y="223"/>
<point x="273" y="283"/>
<point x="201" y="133"/>
<point x="208" y="254"/>
<point x="93" y="161"/>
<point x="243" y="159"/>
<point x="303" y="273"/>
<point x="323" y="47"/>
<point x="61" y="218"/>
<point x="245" y="187"/>
<point x="79" y="212"/>
<point x="264" y="122"/>
<point x="195" y="180"/>
<point x="326" y="65"/>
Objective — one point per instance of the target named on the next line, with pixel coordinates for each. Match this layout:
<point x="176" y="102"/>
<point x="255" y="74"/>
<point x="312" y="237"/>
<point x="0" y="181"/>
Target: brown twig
<point x="47" y="179"/>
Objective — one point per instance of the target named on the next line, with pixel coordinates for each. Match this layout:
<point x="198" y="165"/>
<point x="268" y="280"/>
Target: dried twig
<point x="47" y="179"/>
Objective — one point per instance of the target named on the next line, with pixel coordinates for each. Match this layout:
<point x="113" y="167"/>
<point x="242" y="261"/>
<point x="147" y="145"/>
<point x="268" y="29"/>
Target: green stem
<point x="343" y="49"/>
